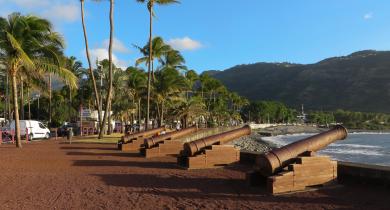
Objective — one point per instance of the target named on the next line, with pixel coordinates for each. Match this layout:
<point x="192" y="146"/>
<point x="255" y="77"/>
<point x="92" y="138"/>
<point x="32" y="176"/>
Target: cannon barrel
<point x="146" y="133"/>
<point x="277" y="159"/>
<point x="152" y="141"/>
<point x="191" y="148"/>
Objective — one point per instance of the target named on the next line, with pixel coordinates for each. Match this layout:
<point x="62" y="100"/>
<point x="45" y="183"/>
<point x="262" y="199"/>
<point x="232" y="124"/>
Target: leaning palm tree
<point x="150" y="4"/>
<point x="97" y="95"/>
<point x="109" y="92"/>
<point x="29" y="42"/>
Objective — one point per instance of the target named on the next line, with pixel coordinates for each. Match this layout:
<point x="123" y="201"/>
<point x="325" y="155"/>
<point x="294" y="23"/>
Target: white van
<point x="36" y="129"/>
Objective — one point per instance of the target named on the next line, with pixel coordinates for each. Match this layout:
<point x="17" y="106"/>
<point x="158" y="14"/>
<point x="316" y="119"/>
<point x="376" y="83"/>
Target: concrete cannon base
<point x="213" y="157"/>
<point x="167" y="147"/>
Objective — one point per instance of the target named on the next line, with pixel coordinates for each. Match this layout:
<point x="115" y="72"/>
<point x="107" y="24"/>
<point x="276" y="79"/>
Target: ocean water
<point x="370" y="148"/>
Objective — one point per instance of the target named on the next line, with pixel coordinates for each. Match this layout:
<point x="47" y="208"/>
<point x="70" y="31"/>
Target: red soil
<point x="52" y="174"/>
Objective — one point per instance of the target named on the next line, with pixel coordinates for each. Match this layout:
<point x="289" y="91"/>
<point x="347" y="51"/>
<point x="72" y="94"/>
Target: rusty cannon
<point x="135" y="140"/>
<point x="166" y="144"/>
<point x="153" y="141"/>
<point x="295" y="166"/>
<point x="211" y="152"/>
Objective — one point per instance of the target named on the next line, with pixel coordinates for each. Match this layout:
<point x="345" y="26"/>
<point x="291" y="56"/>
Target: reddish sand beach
<point x="55" y="175"/>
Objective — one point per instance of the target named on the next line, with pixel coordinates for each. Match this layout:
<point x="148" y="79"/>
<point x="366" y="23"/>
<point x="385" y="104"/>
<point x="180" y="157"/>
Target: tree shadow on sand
<point x="113" y="154"/>
<point x="111" y="148"/>
<point x="148" y="164"/>
<point x="204" y="188"/>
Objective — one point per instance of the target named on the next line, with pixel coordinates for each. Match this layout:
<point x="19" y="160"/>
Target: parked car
<point x="36" y="129"/>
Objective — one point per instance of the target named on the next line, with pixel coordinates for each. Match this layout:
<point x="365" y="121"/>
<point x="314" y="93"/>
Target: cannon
<point x="277" y="159"/>
<point x="295" y="166"/>
<point x="134" y="141"/>
<point x="194" y="147"/>
<point x="153" y="141"/>
<point x="210" y="151"/>
<point x="166" y="144"/>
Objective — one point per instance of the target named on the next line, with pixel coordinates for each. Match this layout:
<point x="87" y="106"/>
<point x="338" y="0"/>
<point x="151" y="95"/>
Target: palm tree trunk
<point x="109" y="120"/>
<point x="109" y="92"/>
<point x="70" y="104"/>
<point x="16" y="109"/>
<point x="158" y="112"/>
<point x="49" y="100"/>
<point x="139" y="112"/>
<point x="29" y="102"/>
<point x="162" y="114"/>
<point x="97" y="96"/>
<point x="22" y="99"/>
<point x="150" y="62"/>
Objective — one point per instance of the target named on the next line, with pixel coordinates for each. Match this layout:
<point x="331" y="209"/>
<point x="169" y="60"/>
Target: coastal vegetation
<point x="277" y="112"/>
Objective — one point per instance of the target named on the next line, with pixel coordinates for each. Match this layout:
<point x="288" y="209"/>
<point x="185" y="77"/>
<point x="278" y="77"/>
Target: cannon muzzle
<point x="194" y="147"/>
<point x="152" y="141"/>
<point x="277" y="159"/>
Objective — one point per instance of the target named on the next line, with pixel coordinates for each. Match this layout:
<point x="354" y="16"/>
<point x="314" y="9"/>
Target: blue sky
<point x="218" y="34"/>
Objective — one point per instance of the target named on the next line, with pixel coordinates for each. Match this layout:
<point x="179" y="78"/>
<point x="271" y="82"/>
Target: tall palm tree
<point x="150" y="4"/>
<point x="29" y="42"/>
<point x="109" y="92"/>
<point x="97" y="95"/>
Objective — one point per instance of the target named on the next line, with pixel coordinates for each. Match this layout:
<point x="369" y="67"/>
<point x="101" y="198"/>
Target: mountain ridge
<point x="357" y="82"/>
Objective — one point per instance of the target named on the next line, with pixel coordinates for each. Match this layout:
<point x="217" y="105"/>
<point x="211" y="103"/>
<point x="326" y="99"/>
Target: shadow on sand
<point x="148" y="164"/>
<point x="113" y="154"/>
<point x="203" y="188"/>
<point x="112" y="148"/>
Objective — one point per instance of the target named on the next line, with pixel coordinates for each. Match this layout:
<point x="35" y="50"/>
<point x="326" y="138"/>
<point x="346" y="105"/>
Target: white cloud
<point x="102" y="53"/>
<point x="27" y="3"/>
<point x="63" y="12"/>
<point x="57" y="11"/>
<point x="368" y="16"/>
<point x="185" y="43"/>
<point x="118" y="46"/>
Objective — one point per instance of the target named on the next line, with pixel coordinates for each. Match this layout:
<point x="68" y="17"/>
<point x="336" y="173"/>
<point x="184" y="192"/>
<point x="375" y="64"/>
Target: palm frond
<point x="66" y="75"/>
<point x="21" y="54"/>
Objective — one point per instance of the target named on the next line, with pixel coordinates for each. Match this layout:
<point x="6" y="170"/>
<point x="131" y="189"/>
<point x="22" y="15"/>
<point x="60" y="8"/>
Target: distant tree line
<point x="277" y="112"/>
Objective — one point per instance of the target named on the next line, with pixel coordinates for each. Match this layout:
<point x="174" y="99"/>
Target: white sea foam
<point x="356" y="146"/>
<point x="361" y="147"/>
<point x="275" y="140"/>
<point x="370" y="133"/>
<point x="352" y="152"/>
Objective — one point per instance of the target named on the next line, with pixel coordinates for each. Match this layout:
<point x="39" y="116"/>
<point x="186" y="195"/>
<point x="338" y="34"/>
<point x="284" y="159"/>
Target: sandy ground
<point x="54" y="175"/>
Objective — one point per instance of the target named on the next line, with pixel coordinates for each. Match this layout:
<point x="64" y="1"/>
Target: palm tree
<point x="159" y="50"/>
<point x="109" y="92"/>
<point x="136" y="82"/>
<point x="173" y="59"/>
<point x="168" y="86"/>
<point x="190" y="109"/>
<point x="29" y="42"/>
<point x="76" y="67"/>
<point x="97" y="95"/>
<point x="150" y="4"/>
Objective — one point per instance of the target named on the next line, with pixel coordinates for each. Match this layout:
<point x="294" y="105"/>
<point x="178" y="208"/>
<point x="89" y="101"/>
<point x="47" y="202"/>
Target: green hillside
<point x="357" y="82"/>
